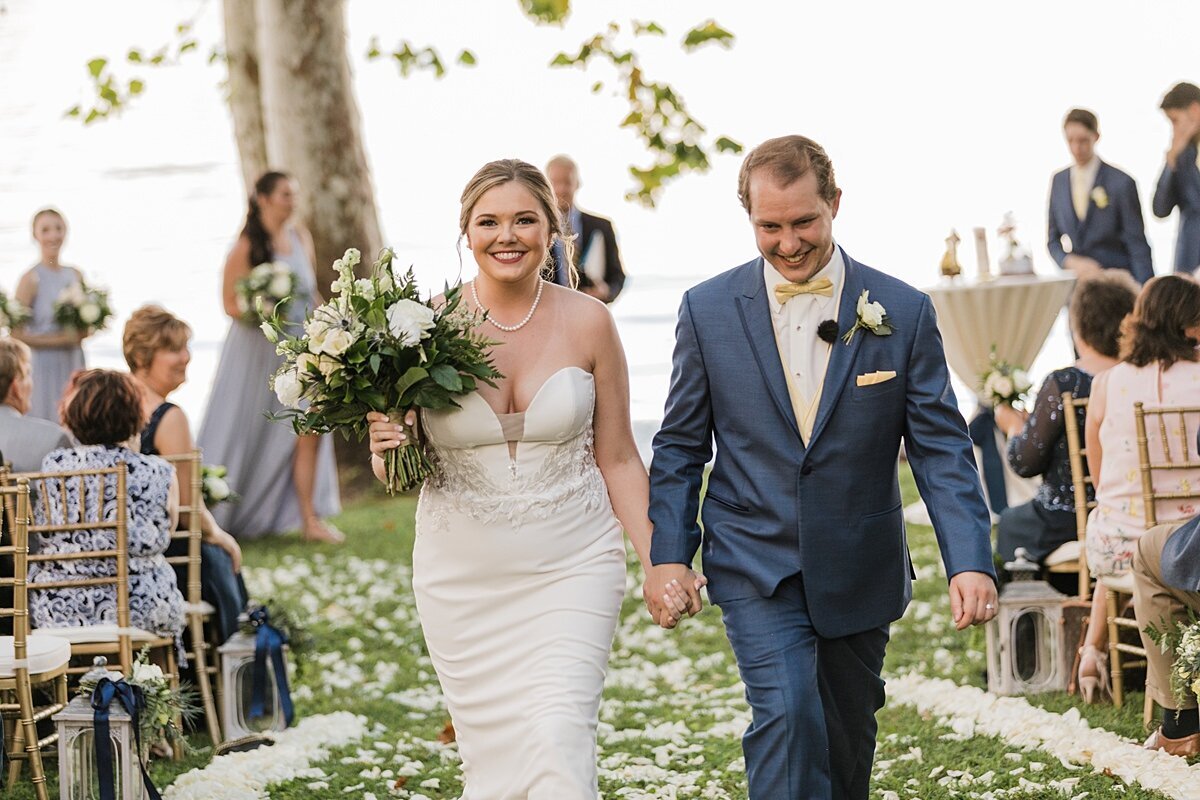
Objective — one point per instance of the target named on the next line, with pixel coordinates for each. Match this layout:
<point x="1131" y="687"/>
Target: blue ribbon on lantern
<point x="269" y="640"/>
<point x="130" y="697"/>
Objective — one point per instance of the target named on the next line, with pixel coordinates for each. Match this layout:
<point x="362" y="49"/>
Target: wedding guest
<point x="155" y="343"/>
<point x="1038" y="440"/>
<point x="57" y="351"/>
<point x="285" y="481"/>
<point x="1166" y="580"/>
<point x="596" y="256"/>
<point x="103" y="410"/>
<point x="1095" y="214"/>
<point x="1179" y="183"/>
<point x="1160" y="365"/>
<point x="24" y="439"/>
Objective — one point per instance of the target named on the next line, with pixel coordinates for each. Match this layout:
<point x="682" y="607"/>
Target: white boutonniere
<point x="871" y="317"/>
<point x="1100" y="197"/>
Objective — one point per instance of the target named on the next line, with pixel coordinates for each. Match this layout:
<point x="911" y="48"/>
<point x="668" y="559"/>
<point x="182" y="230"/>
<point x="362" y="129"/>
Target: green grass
<point x="673" y="711"/>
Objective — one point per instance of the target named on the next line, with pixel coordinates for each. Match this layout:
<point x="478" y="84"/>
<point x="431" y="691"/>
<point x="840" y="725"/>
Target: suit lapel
<point x="841" y="356"/>
<point x="1091" y="205"/>
<point x="1066" y="203"/>
<point x="755" y="313"/>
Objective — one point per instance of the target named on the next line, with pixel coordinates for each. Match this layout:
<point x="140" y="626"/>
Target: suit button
<point x="806" y="469"/>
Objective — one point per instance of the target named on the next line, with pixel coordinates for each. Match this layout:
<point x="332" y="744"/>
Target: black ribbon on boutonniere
<point x="131" y="699"/>
<point x="269" y="641"/>
<point x="827" y="331"/>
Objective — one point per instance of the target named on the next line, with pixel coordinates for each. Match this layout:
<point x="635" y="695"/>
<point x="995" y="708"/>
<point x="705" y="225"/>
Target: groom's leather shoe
<point x="1187" y="747"/>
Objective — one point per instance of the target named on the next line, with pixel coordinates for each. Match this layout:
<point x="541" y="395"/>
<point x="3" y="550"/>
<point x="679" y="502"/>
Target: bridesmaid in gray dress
<point x="285" y="481"/>
<point x="56" y="351"/>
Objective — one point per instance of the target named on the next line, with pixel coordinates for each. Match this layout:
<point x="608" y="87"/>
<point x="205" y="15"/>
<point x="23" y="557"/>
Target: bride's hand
<point x="388" y="435"/>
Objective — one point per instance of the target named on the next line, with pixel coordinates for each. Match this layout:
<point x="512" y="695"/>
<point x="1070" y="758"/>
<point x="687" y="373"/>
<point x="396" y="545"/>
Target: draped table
<point x="1014" y="315"/>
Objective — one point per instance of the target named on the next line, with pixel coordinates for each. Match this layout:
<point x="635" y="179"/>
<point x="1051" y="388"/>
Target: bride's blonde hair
<point x="505" y="170"/>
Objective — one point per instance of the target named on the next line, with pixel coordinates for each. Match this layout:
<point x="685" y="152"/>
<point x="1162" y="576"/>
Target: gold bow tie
<point x="786" y="291"/>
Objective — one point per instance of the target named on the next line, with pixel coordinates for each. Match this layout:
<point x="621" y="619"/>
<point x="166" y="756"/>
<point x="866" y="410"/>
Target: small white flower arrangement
<point x="82" y="308"/>
<point x="1100" y="197"/>
<point x="1004" y="383"/>
<point x="1184" y="640"/>
<point x="12" y="313"/>
<point x="267" y="290"/>
<point x="215" y="487"/>
<point x="162" y="709"/>
<point x="870" y="316"/>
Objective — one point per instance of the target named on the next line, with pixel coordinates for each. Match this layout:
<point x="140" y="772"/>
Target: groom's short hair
<point x="788" y="158"/>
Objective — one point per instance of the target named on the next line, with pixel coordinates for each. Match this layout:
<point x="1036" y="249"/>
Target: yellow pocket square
<point x="872" y="378"/>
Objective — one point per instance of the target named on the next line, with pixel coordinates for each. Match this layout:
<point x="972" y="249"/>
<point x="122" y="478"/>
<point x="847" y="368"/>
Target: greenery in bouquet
<point x="215" y="487"/>
<point x="163" y="709"/>
<point x="265" y="292"/>
<point x="1184" y="639"/>
<point x="1005" y="383"/>
<point x="82" y="307"/>
<point x="377" y="346"/>
<point x="12" y="313"/>
<point x="299" y="640"/>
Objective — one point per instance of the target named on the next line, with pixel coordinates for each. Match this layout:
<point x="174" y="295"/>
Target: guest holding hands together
<point x="1179" y="183"/>
<point x="57" y="352"/>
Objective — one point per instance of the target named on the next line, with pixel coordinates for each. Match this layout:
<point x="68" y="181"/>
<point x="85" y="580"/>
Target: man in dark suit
<point x="1179" y="184"/>
<point x="1166" y="587"/>
<point x="1095" y="215"/>
<point x="596" y="257"/>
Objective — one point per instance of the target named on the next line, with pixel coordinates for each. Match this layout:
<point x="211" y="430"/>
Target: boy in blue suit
<point x="1179" y="183"/>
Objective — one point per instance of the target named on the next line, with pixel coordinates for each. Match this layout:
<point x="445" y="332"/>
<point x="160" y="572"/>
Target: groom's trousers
<point x="813" y="699"/>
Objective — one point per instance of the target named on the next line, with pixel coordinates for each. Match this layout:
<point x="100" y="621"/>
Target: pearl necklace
<point x="510" y="328"/>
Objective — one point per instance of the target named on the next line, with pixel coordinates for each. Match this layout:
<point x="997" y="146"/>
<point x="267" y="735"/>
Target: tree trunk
<point x="245" y="91"/>
<point x="313" y="128"/>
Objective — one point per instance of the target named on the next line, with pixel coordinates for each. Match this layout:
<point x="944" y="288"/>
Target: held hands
<point x="972" y="599"/>
<point x="672" y="590"/>
<point x="387" y="434"/>
<point x="1084" y="267"/>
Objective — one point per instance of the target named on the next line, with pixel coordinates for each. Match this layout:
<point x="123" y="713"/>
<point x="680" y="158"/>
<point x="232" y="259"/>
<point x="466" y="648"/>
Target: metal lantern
<point x="1023" y="638"/>
<point x="78" y="771"/>
<point x="237" y="678"/>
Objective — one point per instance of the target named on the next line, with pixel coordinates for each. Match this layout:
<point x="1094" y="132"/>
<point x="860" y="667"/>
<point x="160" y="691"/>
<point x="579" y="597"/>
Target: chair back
<point x="1164" y="442"/>
<point x="1080" y="480"/>
<point x="14" y="547"/>
<point x="187" y="468"/>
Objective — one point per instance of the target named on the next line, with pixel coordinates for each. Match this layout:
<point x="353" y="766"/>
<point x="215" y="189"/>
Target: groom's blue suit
<point x="804" y="546"/>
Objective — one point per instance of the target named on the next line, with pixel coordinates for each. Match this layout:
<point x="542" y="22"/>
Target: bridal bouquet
<point x="377" y="346"/>
<point x="12" y="313"/>
<point x="1004" y="383"/>
<point x="161" y="708"/>
<point x="214" y="487"/>
<point x="1184" y="639"/>
<point x="266" y="290"/>
<point x="82" y="307"/>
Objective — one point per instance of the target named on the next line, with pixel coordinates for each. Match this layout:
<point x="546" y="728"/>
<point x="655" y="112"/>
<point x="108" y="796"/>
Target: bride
<point x="519" y="563"/>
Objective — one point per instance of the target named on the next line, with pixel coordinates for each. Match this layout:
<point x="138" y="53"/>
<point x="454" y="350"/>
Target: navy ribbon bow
<point x="130" y="697"/>
<point x="269" y="641"/>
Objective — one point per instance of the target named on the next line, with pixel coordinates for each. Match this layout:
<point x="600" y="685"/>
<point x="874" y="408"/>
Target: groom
<point x="803" y="533"/>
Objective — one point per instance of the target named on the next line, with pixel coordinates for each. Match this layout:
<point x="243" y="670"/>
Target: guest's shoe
<point x="1093" y="674"/>
<point x="1187" y="747"/>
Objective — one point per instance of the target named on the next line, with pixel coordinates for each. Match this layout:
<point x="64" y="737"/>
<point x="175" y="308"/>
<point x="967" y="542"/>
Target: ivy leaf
<point x="467" y="59"/>
<point x="96" y="66"/>
<point x="709" y="31"/>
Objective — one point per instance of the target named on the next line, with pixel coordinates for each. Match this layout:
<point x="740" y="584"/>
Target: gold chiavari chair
<point x="1173" y="436"/>
<point x="187" y="467"/>
<point x="26" y="661"/>
<point x="1072" y="556"/>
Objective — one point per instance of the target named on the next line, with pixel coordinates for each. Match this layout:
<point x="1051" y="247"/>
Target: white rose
<point x="89" y="313"/>
<point x="280" y="286"/>
<point x="871" y="314"/>
<point x="364" y="288"/>
<point x="288" y="388"/>
<point x="335" y="341"/>
<point x="1003" y="386"/>
<point x="304" y="361"/>
<point x="1021" y="380"/>
<point x="147" y="673"/>
<point x="328" y="365"/>
<point x="216" y="488"/>
<point x="410" y="321"/>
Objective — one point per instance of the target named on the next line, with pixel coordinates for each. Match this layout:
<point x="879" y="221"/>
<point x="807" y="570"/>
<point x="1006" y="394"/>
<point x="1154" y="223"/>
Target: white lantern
<point x="1023" y="638"/>
<point x="78" y="771"/>
<point x="237" y="678"/>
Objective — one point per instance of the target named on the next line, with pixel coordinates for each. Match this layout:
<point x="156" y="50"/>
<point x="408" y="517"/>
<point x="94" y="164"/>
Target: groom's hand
<point x="972" y="598"/>
<point x="670" y="591"/>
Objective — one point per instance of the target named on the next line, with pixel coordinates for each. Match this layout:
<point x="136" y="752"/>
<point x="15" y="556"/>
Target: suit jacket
<point x="831" y="510"/>
<point x="595" y="231"/>
<point x="26" y="440"/>
<point x="1181" y="554"/>
<point x="1114" y="235"/>
<point x="1181" y="187"/>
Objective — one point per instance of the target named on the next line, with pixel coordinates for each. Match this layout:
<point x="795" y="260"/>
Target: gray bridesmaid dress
<point x="52" y="366"/>
<point x="258" y="452"/>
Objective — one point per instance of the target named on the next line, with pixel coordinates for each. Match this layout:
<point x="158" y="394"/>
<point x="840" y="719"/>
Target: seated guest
<point x="1160" y="365"/>
<point x="103" y="410"/>
<point x="1038" y="443"/>
<point x="1166" y="581"/>
<point x="25" y="440"/>
<point x="156" y="348"/>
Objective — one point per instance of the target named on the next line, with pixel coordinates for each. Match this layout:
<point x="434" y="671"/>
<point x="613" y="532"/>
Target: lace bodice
<point x="478" y="473"/>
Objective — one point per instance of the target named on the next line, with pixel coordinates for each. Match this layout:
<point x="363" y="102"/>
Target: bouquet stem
<point x="406" y="467"/>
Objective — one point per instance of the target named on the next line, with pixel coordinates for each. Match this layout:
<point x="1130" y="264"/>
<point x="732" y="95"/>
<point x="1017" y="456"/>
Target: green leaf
<point x="96" y="66"/>
<point x="726" y="145"/>
<point x="597" y="87"/>
<point x="707" y="32"/>
<point x="134" y="56"/>
<point x="375" y="362"/>
<point x="190" y="44"/>
<point x="412" y="376"/>
<point x="546" y="12"/>
<point x="648" y="29"/>
<point x="74" y="111"/>
<point x="467" y="58"/>
<point x="373" y="50"/>
<point x="446" y="377"/>
<point x="562" y="60"/>
<point x="136" y="87"/>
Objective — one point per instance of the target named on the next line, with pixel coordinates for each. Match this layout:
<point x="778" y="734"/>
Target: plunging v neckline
<point x="533" y="400"/>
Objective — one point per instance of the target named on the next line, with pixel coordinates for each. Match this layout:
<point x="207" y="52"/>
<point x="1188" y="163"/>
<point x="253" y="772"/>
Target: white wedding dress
<point x="518" y="572"/>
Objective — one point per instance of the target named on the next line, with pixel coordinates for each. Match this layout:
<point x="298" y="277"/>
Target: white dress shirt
<point x="802" y="352"/>
<point x="1082" y="180"/>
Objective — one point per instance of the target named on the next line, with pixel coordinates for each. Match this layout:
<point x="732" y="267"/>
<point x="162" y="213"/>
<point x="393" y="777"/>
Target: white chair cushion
<point x="1066" y="553"/>
<point x="93" y="634"/>
<point x="203" y="608"/>
<point x="1122" y="583"/>
<point x="44" y="653"/>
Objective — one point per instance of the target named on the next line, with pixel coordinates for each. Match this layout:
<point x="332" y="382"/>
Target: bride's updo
<point x="497" y="173"/>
